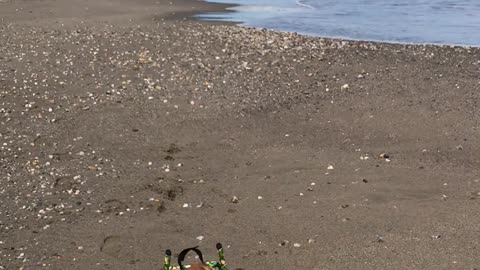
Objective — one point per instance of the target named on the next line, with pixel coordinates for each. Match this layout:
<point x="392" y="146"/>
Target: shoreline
<point x="245" y="24"/>
<point x="158" y="11"/>
<point x="123" y="134"/>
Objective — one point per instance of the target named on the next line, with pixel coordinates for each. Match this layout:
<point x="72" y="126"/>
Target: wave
<point x="302" y="4"/>
<point x="249" y="8"/>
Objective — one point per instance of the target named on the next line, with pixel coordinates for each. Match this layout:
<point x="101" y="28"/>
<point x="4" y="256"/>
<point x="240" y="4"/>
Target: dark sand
<point x="123" y="133"/>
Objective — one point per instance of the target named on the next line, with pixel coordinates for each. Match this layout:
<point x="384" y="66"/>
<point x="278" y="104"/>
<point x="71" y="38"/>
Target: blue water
<point x="454" y="22"/>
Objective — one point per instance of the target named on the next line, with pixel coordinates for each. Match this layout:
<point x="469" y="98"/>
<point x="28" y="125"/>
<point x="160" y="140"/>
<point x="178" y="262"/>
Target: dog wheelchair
<point x="215" y="265"/>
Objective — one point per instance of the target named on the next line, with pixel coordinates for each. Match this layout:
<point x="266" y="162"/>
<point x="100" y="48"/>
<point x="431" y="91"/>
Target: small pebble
<point x="283" y="243"/>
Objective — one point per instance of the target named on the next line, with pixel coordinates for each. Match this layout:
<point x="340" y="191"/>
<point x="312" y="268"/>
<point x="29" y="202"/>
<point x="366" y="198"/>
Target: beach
<point x="127" y="128"/>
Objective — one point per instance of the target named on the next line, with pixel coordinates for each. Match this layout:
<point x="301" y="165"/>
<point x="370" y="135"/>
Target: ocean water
<point x="452" y="22"/>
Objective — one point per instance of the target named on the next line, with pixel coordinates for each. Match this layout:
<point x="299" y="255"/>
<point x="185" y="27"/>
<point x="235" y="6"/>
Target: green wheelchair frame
<point x="220" y="265"/>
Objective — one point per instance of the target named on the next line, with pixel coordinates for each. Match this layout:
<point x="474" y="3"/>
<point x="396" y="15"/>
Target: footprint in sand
<point x="118" y="247"/>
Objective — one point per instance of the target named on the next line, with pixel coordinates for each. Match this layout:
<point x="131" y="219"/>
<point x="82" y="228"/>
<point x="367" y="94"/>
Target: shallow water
<point x="401" y="21"/>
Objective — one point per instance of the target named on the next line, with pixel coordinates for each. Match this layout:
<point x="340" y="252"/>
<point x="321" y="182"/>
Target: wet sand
<point x="125" y="131"/>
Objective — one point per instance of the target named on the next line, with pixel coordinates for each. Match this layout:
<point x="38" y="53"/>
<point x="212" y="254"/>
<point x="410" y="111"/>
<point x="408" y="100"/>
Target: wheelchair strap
<point x="181" y="256"/>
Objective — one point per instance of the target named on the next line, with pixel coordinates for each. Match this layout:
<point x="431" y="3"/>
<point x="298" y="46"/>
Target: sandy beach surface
<point x="126" y="129"/>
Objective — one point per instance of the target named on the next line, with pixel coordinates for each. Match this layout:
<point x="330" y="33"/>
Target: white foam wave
<point x="262" y="8"/>
<point x="302" y="4"/>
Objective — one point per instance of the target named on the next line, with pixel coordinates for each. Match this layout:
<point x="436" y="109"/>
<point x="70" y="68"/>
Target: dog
<point x="198" y="265"/>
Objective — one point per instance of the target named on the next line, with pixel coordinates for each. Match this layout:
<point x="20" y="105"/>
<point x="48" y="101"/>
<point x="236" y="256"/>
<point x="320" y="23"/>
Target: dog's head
<point x="198" y="265"/>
